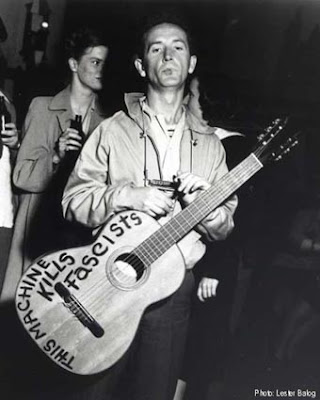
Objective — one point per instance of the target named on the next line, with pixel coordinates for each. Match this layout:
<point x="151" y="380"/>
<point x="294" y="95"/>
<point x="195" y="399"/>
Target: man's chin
<point x="171" y="81"/>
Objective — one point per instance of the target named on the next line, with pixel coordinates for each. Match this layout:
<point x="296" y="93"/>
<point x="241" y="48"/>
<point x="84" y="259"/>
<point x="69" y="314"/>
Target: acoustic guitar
<point x="82" y="306"/>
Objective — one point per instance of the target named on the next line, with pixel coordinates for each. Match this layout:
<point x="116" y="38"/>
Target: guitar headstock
<point x="274" y="142"/>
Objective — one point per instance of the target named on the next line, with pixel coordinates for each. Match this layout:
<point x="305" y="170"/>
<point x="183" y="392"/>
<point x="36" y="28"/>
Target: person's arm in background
<point x="41" y="152"/>
<point x="10" y="136"/>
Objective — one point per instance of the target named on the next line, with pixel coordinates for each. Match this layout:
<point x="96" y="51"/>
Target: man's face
<point x="167" y="59"/>
<point x="89" y="68"/>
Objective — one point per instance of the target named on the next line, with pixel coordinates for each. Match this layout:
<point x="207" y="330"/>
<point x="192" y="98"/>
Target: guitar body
<point x="82" y="306"/>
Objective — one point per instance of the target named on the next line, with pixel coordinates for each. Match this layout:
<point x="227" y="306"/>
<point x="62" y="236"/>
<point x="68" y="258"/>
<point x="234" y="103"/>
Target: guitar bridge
<point x="73" y="304"/>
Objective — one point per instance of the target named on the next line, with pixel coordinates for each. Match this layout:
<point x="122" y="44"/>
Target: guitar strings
<point x="150" y="247"/>
<point x="159" y="238"/>
<point x="147" y="250"/>
<point x="151" y="250"/>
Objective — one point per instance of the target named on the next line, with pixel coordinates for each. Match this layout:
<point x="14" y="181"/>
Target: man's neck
<point x="168" y="103"/>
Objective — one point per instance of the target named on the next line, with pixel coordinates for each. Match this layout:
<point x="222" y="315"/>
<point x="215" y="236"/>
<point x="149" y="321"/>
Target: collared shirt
<point x="167" y="139"/>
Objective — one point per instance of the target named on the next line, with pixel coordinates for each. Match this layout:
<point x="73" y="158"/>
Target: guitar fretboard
<point x="182" y="223"/>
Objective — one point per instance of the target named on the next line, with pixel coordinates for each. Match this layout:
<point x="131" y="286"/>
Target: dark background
<point x="260" y="48"/>
<point x="258" y="59"/>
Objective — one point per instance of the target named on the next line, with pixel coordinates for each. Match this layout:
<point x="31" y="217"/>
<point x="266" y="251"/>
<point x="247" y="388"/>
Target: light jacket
<point x="114" y="158"/>
<point x="46" y="119"/>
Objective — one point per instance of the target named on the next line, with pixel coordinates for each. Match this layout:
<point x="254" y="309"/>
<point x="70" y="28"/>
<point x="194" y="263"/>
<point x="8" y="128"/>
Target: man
<point x="158" y="138"/>
<point x="47" y="153"/>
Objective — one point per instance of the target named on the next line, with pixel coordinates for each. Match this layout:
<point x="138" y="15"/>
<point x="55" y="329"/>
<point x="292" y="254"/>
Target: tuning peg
<point x="285" y="149"/>
<point x="272" y="130"/>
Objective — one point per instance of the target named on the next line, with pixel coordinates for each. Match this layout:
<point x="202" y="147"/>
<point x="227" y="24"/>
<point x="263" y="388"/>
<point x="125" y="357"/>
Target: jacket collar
<point x="61" y="102"/>
<point x="132" y="101"/>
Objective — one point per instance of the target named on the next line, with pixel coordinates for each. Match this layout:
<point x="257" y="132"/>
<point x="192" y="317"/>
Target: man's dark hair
<point x="165" y="17"/>
<point x="80" y="40"/>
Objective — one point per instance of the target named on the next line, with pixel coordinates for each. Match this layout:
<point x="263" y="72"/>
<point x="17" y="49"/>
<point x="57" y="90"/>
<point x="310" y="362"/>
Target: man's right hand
<point x="152" y="201"/>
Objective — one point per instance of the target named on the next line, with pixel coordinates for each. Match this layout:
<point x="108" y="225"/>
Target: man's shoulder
<point x="115" y="128"/>
<point x="117" y="120"/>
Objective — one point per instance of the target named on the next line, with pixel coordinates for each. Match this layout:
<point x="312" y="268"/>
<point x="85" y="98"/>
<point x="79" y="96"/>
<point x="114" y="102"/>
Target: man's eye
<point x="155" y="49"/>
<point x="180" y="48"/>
<point x="96" y="62"/>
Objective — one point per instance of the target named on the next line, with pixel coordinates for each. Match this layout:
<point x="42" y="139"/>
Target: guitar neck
<point x="182" y="223"/>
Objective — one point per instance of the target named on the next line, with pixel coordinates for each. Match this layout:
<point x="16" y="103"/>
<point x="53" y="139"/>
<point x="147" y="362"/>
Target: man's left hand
<point x="190" y="185"/>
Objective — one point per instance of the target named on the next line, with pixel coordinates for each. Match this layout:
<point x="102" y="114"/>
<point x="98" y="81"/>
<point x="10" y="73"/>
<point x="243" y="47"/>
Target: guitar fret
<point x="147" y="253"/>
<point x="174" y="230"/>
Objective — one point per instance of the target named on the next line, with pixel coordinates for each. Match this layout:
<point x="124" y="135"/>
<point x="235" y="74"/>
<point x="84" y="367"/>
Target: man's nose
<point x="167" y="54"/>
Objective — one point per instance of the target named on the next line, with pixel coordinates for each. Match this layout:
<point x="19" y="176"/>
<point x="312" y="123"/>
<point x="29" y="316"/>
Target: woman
<point x="47" y="154"/>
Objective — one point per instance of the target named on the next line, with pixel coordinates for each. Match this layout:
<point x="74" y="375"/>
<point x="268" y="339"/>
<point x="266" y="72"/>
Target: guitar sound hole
<point x="126" y="270"/>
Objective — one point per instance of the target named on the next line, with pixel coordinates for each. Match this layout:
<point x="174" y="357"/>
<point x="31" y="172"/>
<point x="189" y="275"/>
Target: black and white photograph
<point x="159" y="199"/>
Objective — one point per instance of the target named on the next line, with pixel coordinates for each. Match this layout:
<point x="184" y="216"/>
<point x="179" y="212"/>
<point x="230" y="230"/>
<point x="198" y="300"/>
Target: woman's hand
<point x="69" y="140"/>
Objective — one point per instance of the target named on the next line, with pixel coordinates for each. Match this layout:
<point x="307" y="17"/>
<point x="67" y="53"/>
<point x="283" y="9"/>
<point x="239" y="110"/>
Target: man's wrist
<point x="123" y="196"/>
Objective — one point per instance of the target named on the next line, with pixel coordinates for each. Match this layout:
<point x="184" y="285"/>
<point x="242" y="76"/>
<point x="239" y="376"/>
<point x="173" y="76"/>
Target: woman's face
<point x="89" y="68"/>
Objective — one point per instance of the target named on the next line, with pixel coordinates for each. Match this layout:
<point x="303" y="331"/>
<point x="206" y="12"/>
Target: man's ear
<point x="192" y="64"/>
<point x="138" y="63"/>
<point x="73" y="64"/>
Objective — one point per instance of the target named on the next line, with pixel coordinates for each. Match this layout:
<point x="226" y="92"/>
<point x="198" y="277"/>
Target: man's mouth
<point x="168" y="71"/>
